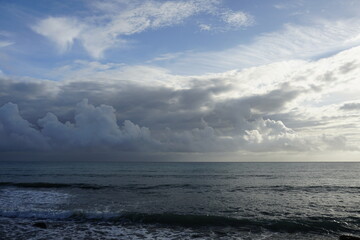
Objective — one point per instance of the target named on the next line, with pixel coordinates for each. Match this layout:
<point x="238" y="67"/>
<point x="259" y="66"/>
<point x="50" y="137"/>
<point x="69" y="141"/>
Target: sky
<point x="217" y="80"/>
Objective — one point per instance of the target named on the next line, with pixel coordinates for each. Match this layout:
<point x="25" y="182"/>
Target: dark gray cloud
<point x="350" y="106"/>
<point x="95" y="127"/>
<point x="272" y="101"/>
<point x="17" y="133"/>
<point x="129" y="117"/>
<point x="329" y="76"/>
<point x="348" y="67"/>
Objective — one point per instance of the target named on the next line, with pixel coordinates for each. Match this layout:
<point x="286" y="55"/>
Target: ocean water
<point x="120" y="200"/>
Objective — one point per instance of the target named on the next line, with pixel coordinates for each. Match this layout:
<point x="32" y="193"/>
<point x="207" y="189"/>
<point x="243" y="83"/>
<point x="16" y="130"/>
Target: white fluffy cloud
<point x="62" y="31"/>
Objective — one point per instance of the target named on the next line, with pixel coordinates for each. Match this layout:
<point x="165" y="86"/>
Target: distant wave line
<point x="320" y="224"/>
<point x="274" y="188"/>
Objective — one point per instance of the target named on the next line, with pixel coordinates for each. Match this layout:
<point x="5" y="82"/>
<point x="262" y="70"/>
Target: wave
<point x="51" y="185"/>
<point x="281" y="225"/>
<point x="145" y="187"/>
<point x="96" y="186"/>
<point x="288" y="188"/>
<point x="313" y="225"/>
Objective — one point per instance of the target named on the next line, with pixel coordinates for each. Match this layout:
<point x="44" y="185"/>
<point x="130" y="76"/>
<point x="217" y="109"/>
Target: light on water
<point x="207" y="200"/>
<point x="103" y="101"/>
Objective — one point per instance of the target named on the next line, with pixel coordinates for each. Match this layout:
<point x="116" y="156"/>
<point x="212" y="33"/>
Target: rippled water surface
<point x="117" y="200"/>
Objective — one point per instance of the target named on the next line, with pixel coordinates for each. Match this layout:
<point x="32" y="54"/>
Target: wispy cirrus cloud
<point x="114" y="20"/>
<point x="293" y="41"/>
<point x="237" y="19"/>
<point x="4" y="39"/>
<point x="289" y="5"/>
<point x="5" y="43"/>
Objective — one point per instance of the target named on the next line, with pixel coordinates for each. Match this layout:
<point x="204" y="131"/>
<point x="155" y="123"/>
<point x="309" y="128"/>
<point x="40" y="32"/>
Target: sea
<point x="137" y="200"/>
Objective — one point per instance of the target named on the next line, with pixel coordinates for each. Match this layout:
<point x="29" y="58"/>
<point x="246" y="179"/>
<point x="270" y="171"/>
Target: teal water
<point x="119" y="200"/>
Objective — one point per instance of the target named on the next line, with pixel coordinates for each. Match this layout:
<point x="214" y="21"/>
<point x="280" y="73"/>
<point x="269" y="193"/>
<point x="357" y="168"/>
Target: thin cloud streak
<point x="291" y="42"/>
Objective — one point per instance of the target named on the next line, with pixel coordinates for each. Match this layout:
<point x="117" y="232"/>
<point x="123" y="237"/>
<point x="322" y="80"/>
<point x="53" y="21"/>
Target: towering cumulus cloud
<point x="17" y="133"/>
<point x="96" y="128"/>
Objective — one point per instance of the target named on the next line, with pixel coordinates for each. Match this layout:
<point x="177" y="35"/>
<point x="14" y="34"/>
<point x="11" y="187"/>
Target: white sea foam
<point x="21" y="229"/>
<point x="19" y="200"/>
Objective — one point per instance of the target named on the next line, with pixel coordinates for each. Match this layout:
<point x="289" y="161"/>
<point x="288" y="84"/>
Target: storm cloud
<point x="268" y="108"/>
<point x="96" y="127"/>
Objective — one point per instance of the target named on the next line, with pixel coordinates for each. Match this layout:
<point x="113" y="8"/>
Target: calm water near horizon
<point x="122" y="200"/>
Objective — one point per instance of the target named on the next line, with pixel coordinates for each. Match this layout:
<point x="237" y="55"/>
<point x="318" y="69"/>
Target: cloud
<point x="349" y="66"/>
<point x="17" y="133"/>
<point x="285" y="106"/>
<point x="61" y="30"/>
<point x="289" y="5"/>
<point x="94" y="127"/>
<point x="228" y="21"/>
<point x="293" y="41"/>
<point x="237" y="19"/>
<point x="205" y="27"/>
<point x="114" y="20"/>
<point x="175" y="116"/>
<point x="4" y="36"/>
<point x="5" y="43"/>
<point x="335" y="142"/>
<point x="271" y="135"/>
<point x="350" y="106"/>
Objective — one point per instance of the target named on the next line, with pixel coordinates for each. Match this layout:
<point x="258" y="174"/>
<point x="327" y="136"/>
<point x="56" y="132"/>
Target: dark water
<point x="117" y="200"/>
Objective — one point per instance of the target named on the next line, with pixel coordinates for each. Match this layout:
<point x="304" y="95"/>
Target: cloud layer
<point x="284" y="106"/>
<point x="96" y="128"/>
